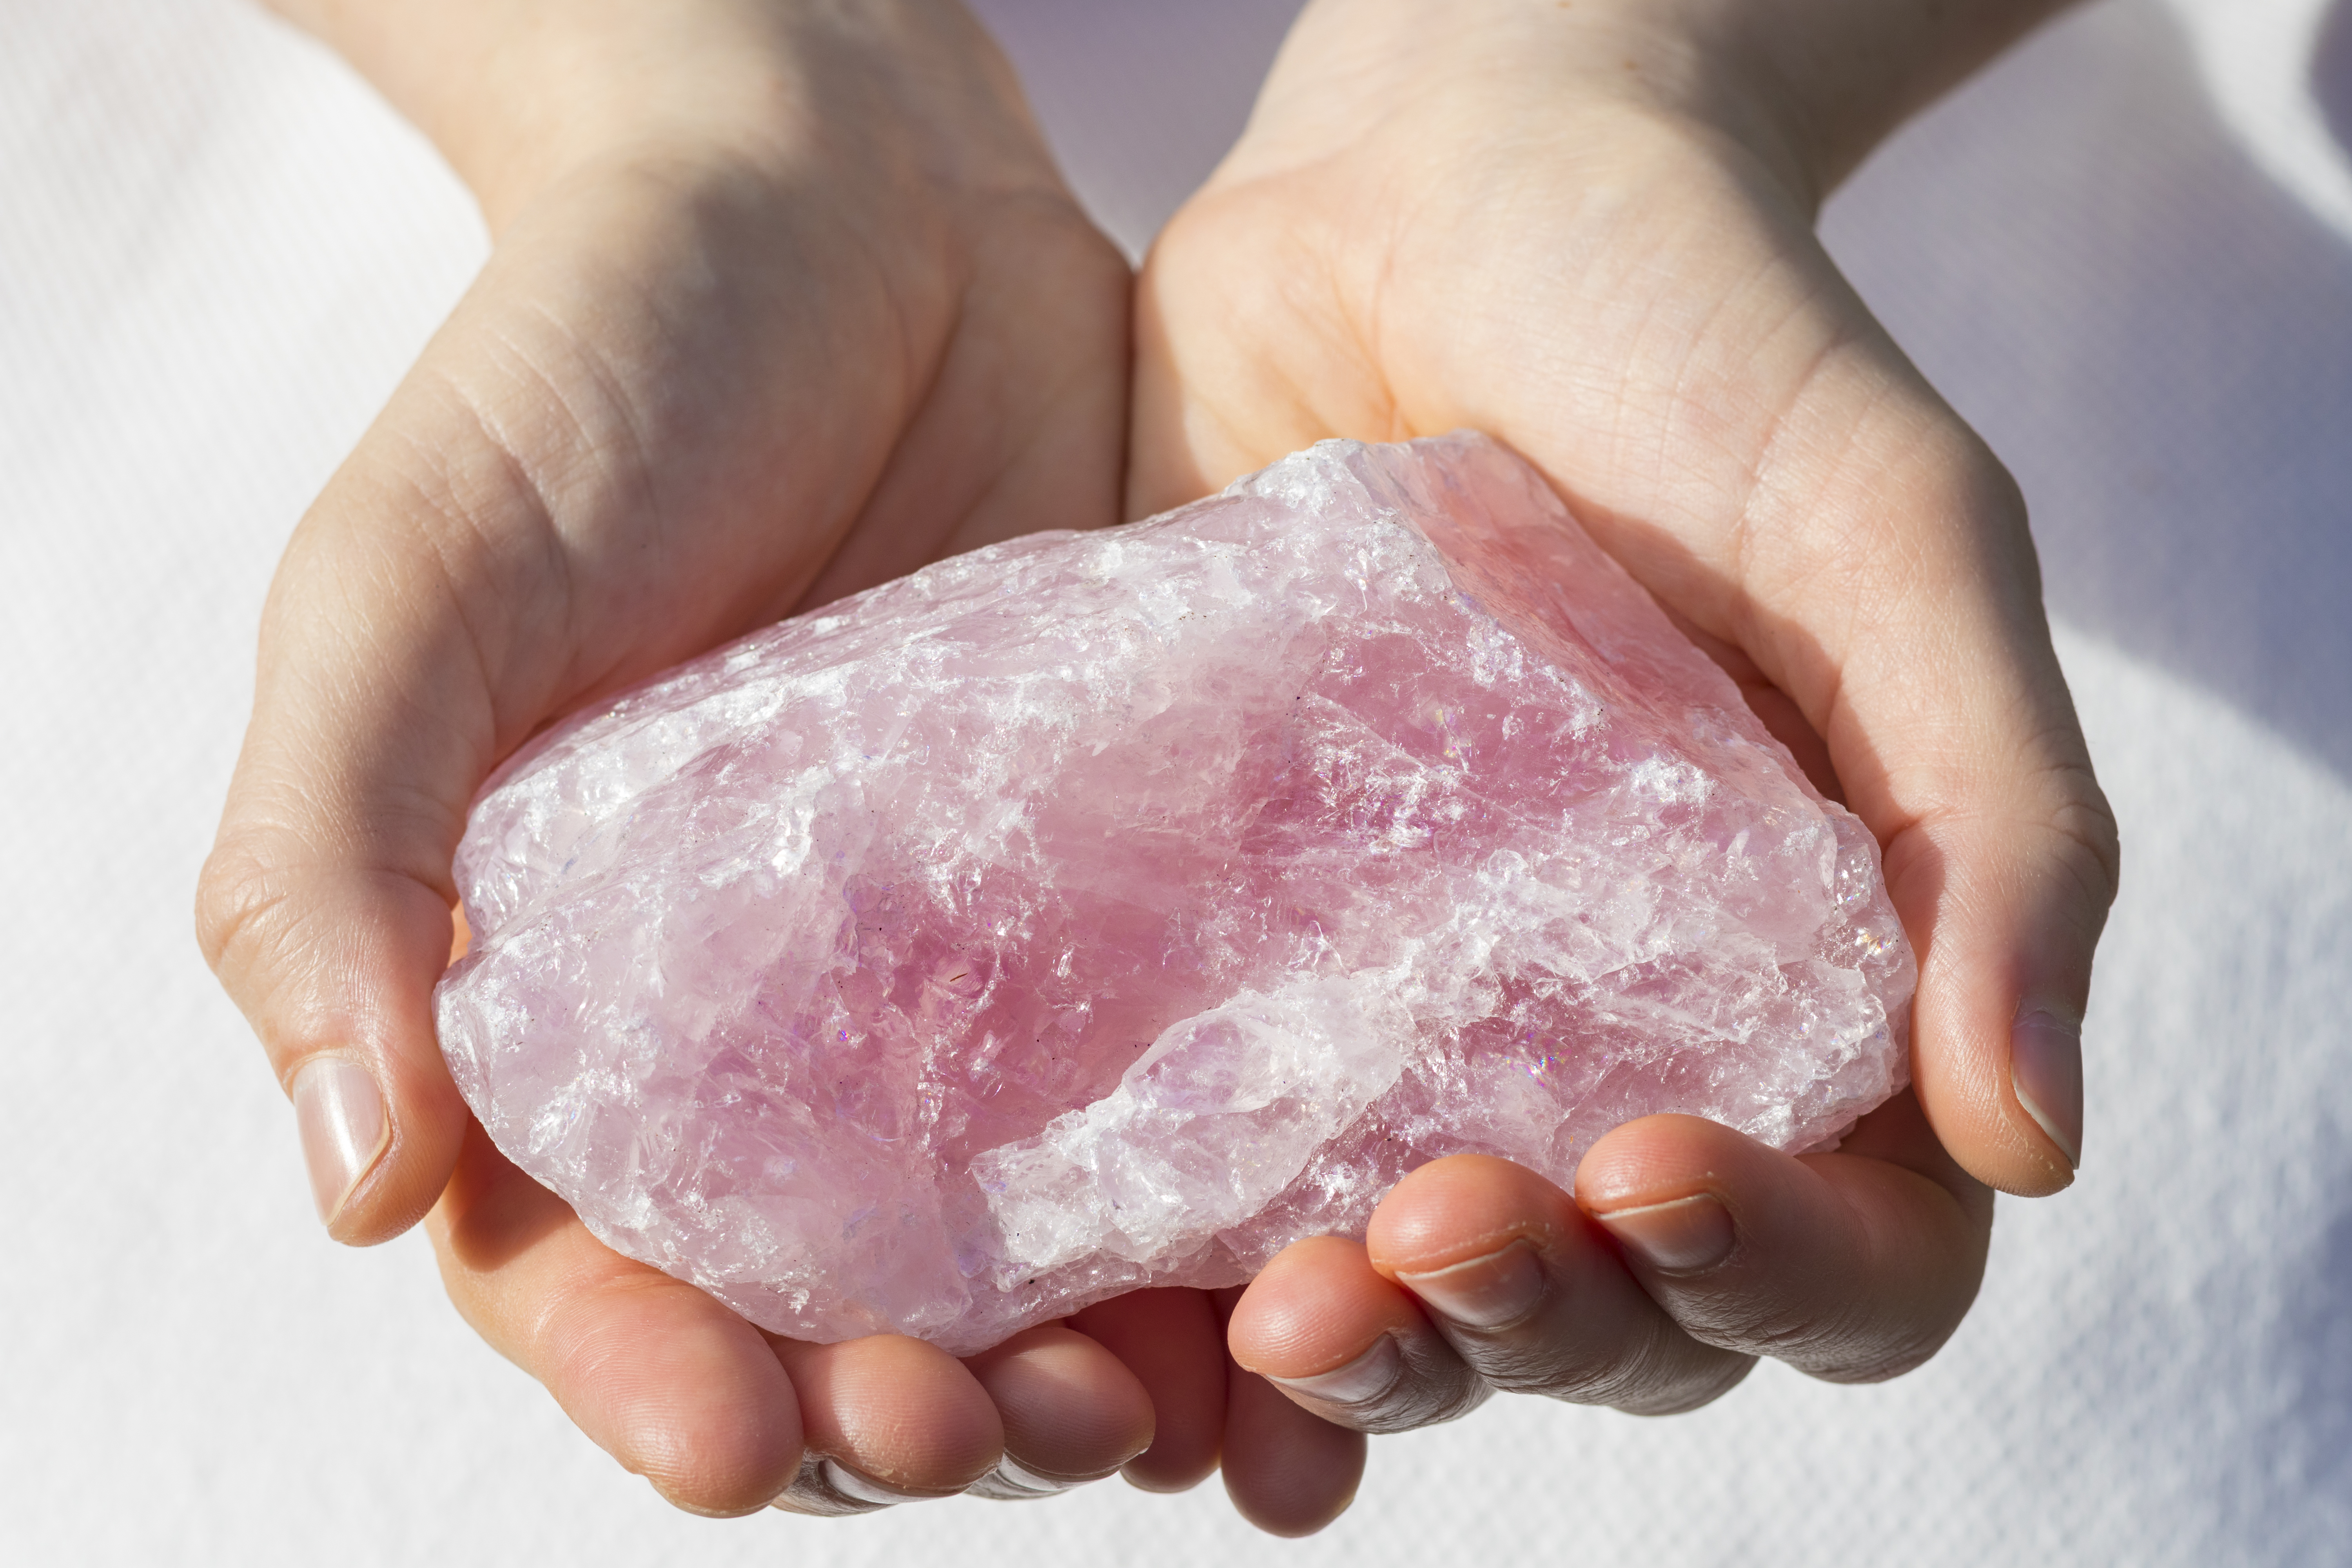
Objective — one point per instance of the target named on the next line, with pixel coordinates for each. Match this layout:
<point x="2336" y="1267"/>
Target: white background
<point x="2125" y="254"/>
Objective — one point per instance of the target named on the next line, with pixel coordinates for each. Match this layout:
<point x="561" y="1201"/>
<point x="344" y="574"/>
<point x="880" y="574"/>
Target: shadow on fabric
<point x="2314" y="1339"/>
<point x="2331" y="74"/>
<point x="2157" y="338"/>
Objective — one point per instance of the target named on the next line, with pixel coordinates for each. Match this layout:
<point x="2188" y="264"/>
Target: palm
<point x="1634" y="306"/>
<point x="722" y="407"/>
<point x="1629" y="301"/>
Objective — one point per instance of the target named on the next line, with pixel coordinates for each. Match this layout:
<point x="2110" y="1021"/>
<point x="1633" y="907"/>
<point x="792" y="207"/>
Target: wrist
<point x="1831" y="79"/>
<point x="1809" y="87"/>
<point x="518" y="94"/>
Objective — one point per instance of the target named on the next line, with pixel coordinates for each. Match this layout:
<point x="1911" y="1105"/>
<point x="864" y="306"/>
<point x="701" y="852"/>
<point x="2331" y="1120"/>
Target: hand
<point x="1587" y="230"/>
<point x="786" y="299"/>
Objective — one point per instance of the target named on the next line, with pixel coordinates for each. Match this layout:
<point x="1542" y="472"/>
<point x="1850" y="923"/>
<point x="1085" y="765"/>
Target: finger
<point x="1288" y="1471"/>
<point x="1072" y="1412"/>
<point x="1320" y="1323"/>
<point x="1918" y="649"/>
<point x="1531" y="1294"/>
<point x="672" y="1385"/>
<point x="1175" y="1343"/>
<point x="332" y="953"/>
<point x="1854" y="1267"/>
<point x="889" y="1419"/>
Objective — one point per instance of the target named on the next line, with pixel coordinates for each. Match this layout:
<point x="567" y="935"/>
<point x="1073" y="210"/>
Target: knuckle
<point x="1872" y="1358"/>
<point x="1582" y="1357"/>
<point x="1412" y="1408"/>
<point x="1877" y="513"/>
<point x="1952" y="483"/>
<point x="1436" y="1387"/>
<point x="1563" y="1367"/>
<point x="1773" y="1331"/>
<point x="240" y="899"/>
<point x="1701" y="1386"/>
<point x="1807" y="1329"/>
<point x="1862" y="1341"/>
<point x="2089" y="841"/>
<point x="1653" y="1369"/>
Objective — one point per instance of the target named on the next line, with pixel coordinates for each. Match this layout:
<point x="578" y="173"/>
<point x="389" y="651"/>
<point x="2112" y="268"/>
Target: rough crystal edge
<point x="1359" y="468"/>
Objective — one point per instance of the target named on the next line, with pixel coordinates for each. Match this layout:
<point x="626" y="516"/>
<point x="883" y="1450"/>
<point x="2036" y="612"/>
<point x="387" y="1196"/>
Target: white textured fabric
<point x="217" y="253"/>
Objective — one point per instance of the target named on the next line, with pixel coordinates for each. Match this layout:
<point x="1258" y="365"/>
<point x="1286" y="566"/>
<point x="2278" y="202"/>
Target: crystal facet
<point x="1103" y="910"/>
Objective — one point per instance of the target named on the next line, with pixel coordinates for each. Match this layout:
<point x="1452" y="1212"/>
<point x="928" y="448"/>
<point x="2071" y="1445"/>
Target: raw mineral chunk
<point x="1096" y="910"/>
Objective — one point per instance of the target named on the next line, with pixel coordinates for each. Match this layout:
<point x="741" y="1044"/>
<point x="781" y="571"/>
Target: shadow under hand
<point x="1141" y="98"/>
<point x="2157" y="338"/>
<point x="2331" y="74"/>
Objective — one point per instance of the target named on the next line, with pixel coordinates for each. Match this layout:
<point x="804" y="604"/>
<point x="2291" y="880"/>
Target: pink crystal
<point x="1096" y="910"/>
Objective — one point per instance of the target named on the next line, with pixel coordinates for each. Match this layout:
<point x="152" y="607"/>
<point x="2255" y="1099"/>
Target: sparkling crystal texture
<point x="1096" y="910"/>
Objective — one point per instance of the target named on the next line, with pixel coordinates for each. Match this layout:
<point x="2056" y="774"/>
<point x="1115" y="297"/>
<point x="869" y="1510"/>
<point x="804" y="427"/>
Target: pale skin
<point x="787" y="299"/>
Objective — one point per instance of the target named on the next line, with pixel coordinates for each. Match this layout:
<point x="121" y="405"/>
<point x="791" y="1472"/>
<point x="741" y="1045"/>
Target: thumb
<point x="1923" y="657"/>
<point x="1830" y="517"/>
<point x="325" y="905"/>
<point x="1871" y="557"/>
<point x="419" y="596"/>
<point x="333" y="961"/>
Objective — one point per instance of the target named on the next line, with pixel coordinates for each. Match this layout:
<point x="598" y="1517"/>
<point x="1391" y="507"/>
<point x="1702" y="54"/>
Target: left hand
<point x="786" y="299"/>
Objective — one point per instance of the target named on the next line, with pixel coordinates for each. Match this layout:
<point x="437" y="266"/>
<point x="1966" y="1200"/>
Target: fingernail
<point x="1489" y="1292"/>
<point x="2046" y="1068"/>
<point x="866" y="1488"/>
<point x="340" y="1112"/>
<point x="1367" y="1377"/>
<point x="1678" y="1237"/>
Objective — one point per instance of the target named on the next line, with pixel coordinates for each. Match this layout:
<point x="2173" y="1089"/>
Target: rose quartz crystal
<point x="1104" y="910"/>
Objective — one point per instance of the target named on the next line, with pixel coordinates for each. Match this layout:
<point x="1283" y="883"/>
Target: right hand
<point x="1588" y="230"/>
<point x="786" y="299"/>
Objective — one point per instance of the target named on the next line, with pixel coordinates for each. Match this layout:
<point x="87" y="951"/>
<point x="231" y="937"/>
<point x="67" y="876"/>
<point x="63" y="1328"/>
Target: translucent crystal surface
<point x="1102" y="909"/>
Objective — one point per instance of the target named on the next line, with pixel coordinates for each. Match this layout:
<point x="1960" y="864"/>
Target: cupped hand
<point x="1587" y="231"/>
<point x="785" y="299"/>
